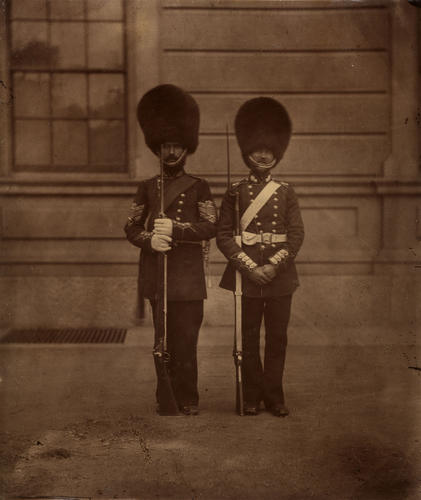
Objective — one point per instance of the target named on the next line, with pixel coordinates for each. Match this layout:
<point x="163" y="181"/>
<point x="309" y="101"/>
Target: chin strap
<point x="178" y="162"/>
<point x="267" y="166"/>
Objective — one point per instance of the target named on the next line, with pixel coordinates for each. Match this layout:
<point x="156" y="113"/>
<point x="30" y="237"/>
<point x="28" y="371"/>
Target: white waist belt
<point x="266" y="238"/>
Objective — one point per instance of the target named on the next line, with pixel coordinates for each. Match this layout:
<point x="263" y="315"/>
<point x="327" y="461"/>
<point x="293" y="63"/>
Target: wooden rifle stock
<point x="165" y="394"/>
<point x="238" y="344"/>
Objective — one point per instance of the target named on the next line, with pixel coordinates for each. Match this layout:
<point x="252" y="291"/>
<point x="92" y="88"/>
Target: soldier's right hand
<point x="161" y="242"/>
<point x="258" y="276"/>
<point x="269" y="270"/>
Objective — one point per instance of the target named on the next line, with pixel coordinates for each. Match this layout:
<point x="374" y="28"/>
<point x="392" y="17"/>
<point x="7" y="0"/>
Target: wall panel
<point x="310" y="113"/>
<point x="274" y="5"/>
<point x="293" y="72"/>
<point x="70" y="251"/>
<point x="281" y="30"/>
<point x="306" y="155"/>
<point x="340" y="229"/>
<point x="55" y="223"/>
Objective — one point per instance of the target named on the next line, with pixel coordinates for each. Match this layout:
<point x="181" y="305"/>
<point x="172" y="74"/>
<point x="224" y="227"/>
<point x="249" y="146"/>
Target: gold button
<point x="259" y="223"/>
<point x="177" y="218"/>
<point x="180" y="202"/>
<point x="250" y="186"/>
<point x="256" y="216"/>
<point x="273" y="223"/>
<point x="179" y="210"/>
<point x="182" y="195"/>
<point x="262" y="246"/>
<point x="273" y="245"/>
<point x="273" y="230"/>
<point x="275" y="206"/>
<point x="275" y="215"/>
<point x="251" y="199"/>
<point x="275" y="199"/>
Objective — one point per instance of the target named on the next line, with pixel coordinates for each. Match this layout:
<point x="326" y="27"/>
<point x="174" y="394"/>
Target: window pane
<point x="67" y="9"/>
<point x="106" y="96"/>
<point x="30" y="47"/>
<point x="69" y="40"/>
<point x="69" y="95"/>
<point x="32" y="142"/>
<point x="107" y="142"/>
<point x="70" y="143"/>
<point x="31" y="94"/>
<point x="105" y="45"/>
<point x="29" y="9"/>
<point x="111" y="10"/>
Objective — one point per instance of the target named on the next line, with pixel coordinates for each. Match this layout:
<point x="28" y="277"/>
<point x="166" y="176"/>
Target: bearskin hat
<point x="167" y="113"/>
<point x="263" y="122"/>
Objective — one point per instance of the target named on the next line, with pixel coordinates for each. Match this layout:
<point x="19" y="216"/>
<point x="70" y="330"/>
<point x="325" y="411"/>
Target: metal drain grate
<point x="65" y="336"/>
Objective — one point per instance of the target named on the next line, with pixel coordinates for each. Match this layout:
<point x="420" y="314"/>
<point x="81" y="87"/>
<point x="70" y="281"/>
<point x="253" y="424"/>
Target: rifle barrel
<point x="161" y="179"/>
<point x="228" y="157"/>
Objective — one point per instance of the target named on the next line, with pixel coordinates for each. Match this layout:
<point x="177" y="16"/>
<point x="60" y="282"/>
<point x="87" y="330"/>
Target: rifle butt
<point x="239" y="397"/>
<point x="165" y="394"/>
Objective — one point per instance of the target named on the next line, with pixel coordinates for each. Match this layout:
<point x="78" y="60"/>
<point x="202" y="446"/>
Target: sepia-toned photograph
<point x="210" y="249"/>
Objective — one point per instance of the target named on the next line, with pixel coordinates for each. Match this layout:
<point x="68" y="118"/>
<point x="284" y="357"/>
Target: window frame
<point x="89" y="169"/>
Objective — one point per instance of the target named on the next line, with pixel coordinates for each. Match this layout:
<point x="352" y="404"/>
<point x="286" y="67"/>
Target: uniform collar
<point x="180" y="173"/>
<point x="255" y="180"/>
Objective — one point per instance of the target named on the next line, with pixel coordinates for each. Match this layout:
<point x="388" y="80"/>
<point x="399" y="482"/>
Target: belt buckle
<point x="267" y="238"/>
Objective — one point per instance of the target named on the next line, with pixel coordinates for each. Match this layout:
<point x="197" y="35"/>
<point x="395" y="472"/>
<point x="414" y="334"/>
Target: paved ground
<point x="79" y="421"/>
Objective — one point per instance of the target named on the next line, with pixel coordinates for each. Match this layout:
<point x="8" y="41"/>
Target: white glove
<point x="160" y="242"/>
<point x="163" y="226"/>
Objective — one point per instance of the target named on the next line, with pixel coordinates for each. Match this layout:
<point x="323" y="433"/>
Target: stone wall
<point x="348" y="74"/>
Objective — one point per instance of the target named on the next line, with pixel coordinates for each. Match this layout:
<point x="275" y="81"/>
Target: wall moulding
<point x="275" y="4"/>
<point x="304" y="185"/>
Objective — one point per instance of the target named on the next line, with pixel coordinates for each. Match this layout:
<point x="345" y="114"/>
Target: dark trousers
<point x="184" y="319"/>
<point x="264" y="382"/>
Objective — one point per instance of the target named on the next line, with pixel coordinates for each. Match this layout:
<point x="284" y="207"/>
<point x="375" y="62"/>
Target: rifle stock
<point x="165" y="394"/>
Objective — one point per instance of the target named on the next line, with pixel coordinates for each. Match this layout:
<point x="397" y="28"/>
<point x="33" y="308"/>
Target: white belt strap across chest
<point x="258" y="203"/>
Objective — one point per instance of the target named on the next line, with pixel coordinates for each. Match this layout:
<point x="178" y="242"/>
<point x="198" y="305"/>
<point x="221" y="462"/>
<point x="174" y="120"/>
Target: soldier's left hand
<point x="269" y="270"/>
<point x="163" y="226"/>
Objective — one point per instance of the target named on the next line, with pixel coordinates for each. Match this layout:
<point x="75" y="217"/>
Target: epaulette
<point x="195" y="177"/>
<point x="235" y="185"/>
<point x="283" y="184"/>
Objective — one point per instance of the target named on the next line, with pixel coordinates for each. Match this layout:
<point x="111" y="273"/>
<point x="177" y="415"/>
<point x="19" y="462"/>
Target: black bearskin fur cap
<point x="263" y="122"/>
<point x="169" y="114"/>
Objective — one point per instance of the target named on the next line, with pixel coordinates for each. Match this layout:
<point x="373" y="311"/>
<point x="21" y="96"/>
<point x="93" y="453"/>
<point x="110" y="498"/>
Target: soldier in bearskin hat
<point x="169" y="119"/>
<point x="272" y="232"/>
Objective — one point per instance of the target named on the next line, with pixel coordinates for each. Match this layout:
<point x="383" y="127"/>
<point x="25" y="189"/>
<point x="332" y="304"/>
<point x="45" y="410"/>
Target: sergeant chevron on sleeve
<point x="272" y="233"/>
<point x="169" y="118"/>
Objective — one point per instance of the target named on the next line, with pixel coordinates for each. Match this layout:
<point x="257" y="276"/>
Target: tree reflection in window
<point x="69" y="80"/>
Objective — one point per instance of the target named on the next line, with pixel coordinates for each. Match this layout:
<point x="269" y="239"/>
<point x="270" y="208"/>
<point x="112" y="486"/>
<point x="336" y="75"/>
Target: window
<point x="68" y="63"/>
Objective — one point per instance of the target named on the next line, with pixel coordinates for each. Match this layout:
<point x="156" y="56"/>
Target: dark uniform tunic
<point x="279" y="216"/>
<point x="194" y="221"/>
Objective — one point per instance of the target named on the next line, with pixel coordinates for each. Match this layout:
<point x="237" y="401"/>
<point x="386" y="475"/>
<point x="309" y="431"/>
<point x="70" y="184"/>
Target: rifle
<point x="165" y="394"/>
<point x="238" y="343"/>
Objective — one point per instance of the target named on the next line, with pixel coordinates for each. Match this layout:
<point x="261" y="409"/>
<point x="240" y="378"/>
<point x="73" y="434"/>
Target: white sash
<point x="257" y="204"/>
